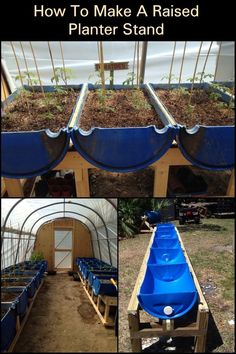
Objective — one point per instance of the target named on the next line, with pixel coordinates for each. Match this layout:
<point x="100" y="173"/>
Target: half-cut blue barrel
<point x="104" y="287"/>
<point x="101" y="274"/>
<point x="31" y="284"/>
<point x="27" y="154"/>
<point x="209" y="147"/>
<point x="8" y="326"/>
<point x="26" y="273"/>
<point x="166" y="243"/>
<point x="166" y="256"/>
<point x="122" y="149"/>
<point x="167" y="291"/>
<point x="20" y="302"/>
<point x="153" y="217"/>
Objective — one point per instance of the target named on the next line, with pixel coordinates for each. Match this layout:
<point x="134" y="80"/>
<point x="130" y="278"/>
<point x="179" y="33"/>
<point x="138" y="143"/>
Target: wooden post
<point x="161" y="180"/>
<point x="230" y="189"/>
<point x="136" y="343"/>
<point x="202" y="322"/>
<point x="82" y="182"/>
<point x="13" y="187"/>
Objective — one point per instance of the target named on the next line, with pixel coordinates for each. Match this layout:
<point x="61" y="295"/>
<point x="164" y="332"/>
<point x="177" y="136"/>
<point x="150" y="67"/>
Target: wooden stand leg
<point x="230" y="189"/>
<point x="82" y="182"/>
<point x="106" y="314"/>
<point x="201" y="340"/>
<point x="13" y="187"/>
<point x="136" y="343"/>
<point x="161" y="180"/>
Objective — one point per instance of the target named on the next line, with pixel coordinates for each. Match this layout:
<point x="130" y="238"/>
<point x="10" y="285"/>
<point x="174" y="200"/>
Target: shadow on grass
<point x="186" y="344"/>
<point x="214" y="339"/>
<point x="202" y="227"/>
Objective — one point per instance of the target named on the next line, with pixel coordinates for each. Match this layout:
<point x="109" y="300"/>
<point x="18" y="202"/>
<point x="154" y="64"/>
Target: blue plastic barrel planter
<point x="122" y="149"/>
<point x="87" y="270"/>
<point x="165" y="232"/>
<point x="26" y="273"/>
<point x="166" y="243"/>
<point x="20" y="149"/>
<point x="8" y="326"/>
<point x="20" y="301"/>
<point x="167" y="291"/>
<point x="153" y="217"/>
<point x="103" y="287"/>
<point x="164" y="256"/>
<point x="101" y="275"/>
<point x="30" y="284"/>
<point x="209" y="147"/>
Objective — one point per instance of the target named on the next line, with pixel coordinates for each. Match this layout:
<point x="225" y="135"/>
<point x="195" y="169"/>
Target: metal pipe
<point x="143" y="62"/>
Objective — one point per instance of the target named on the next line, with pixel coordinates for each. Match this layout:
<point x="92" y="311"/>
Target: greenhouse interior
<point x="86" y="109"/>
<point x="59" y="275"/>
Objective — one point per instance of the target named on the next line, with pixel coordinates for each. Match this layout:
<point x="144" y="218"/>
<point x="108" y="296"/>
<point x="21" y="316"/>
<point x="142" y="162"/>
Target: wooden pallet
<point x="101" y="303"/>
<point x="20" y="323"/>
<point x="195" y="327"/>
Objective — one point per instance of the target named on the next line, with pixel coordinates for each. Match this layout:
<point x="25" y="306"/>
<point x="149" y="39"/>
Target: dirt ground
<point x="210" y="248"/>
<point x="141" y="183"/>
<point x="63" y="320"/>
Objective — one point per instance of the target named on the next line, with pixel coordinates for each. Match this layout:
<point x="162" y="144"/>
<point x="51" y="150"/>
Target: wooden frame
<point x="74" y="161"/>
<point x="139" y="330"/>
<point x="101" y="303"/>
<point x="61" y="228"/>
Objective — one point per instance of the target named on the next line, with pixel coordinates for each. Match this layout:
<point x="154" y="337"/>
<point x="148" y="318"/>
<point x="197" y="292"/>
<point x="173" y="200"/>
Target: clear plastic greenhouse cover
<point x="27" y="215"/>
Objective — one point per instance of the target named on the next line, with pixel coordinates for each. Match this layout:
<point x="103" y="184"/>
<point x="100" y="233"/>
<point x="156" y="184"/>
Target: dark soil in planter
<point x="17" y="283"/>
<point x="113" y="184"/>
<point x="121" y="108"/>
<point x="204" y="111"/>
<point x="8" y="297"/>
<point x="30" y="111"/>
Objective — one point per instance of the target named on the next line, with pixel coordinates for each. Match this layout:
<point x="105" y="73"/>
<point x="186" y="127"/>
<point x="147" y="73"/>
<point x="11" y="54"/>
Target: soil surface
<point x="201" y="110"/>
<point x="31" y="111"/>
<point x="8" y="297"/>
<point x="63" y="320"/>
<point x="121" y="108"/>
<point x="16" y="283"/>
<point x="141" y="183"/>
<point x="113" y="184"/>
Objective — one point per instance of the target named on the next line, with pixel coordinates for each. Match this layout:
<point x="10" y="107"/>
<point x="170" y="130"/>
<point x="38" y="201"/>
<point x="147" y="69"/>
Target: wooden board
<point x="99" y="300"/>
<point x="82" y="246"/>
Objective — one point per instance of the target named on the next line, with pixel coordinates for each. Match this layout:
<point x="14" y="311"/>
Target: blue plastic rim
<point x="168" y="290"/>
<point x="32" y="153"/>
<point x="123" y="149"/>
<point x="208" y="147"/>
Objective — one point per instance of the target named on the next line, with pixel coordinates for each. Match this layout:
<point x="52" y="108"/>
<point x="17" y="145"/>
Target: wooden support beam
<point x="74" y="161"/>
<point x="14" y="187"/>
<point x="136" y="343"/>
<point x="230" y="189"/>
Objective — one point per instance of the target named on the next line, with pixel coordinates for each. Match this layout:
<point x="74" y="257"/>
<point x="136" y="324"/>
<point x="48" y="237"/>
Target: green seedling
<point x="131" y="76"/>
<point x="189" y="109"/>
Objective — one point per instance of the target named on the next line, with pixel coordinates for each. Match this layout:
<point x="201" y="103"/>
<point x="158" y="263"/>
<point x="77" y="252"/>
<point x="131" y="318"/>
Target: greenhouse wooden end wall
<point x="82" y="246"/>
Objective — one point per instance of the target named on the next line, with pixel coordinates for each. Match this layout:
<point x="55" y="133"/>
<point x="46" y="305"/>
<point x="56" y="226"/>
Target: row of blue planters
<point x="168" y="290"/>
<point x="98" y="274"/>
<point x="117" y="149"/>
<point x="31" y="272"/>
